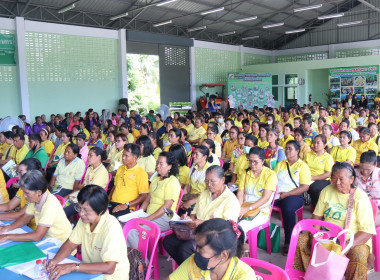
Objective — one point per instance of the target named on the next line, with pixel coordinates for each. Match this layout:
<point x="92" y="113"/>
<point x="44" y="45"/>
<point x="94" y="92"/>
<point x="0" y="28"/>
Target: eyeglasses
<point x="80" y="209"/>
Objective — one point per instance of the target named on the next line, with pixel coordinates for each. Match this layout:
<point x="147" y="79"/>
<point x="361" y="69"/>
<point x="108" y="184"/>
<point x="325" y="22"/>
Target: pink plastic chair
<point x="61" y="200"/>
<point x="308" y="225"/>
<point x="276" y="273"/>
<point x="221" y="162"/>
<point x="299" y="214"/>
<point x="84" y="174"/>
<point x="109" y="180"/>
<point x="12" y="181"/>
<point x="148" y="241"/>
<point x="376" y="238"/>
<point x="191" y="158"/>
<point x="253" y="233"/>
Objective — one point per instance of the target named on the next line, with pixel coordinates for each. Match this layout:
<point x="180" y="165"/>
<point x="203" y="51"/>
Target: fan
<point x="107" y="115"/>
<point x="7" y="123"/>
<point x="164" y="111"/>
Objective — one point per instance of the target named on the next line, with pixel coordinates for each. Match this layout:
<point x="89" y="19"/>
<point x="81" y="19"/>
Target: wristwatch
<point x="77" y="267"/>
<point x="127" y="203"/>
<point x="250" y="208"/>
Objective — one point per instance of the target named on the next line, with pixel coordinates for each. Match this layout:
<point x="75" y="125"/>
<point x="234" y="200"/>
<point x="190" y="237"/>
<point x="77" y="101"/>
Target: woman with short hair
<point x="95" y="138"/>
<point x="146" y="159"/>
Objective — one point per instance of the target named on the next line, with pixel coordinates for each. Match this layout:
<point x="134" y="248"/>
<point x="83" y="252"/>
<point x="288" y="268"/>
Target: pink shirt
<point x="84" y="154"/>
<point x="371" y="186"/>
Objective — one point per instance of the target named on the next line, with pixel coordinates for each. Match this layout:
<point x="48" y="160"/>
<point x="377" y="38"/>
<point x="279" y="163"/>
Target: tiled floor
<point x="277" y="259"/>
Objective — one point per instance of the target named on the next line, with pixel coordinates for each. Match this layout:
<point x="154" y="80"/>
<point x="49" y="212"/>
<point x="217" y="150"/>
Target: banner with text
<point x="7" y="49"/>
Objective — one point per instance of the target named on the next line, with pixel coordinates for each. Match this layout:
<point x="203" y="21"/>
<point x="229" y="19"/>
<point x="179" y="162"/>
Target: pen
<point x="47" y="263"/>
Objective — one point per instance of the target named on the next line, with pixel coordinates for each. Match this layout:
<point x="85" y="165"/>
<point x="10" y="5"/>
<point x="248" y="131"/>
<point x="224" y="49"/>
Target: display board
<point x="250" y="89"/>
<point x="354" y="80"/>
<point x="7" y="49"/>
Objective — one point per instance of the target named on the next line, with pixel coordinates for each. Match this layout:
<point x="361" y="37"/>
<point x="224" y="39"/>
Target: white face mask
<point x="270" y="122"/>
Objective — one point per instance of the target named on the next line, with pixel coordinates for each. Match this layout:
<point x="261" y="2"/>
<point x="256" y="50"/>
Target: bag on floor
<point x="274" y="238"/>
<point x="326" y="262"/>
<point x="138" y="269"/>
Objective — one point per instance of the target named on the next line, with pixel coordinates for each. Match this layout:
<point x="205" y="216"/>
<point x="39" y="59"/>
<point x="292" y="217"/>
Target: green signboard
<point x="7" y="49"/>
<point x="354" y="80"/>
<point x="250" y="89"/>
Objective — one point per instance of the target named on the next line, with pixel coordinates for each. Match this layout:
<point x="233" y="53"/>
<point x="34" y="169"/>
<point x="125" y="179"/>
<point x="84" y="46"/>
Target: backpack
<point x="138" y="268"/>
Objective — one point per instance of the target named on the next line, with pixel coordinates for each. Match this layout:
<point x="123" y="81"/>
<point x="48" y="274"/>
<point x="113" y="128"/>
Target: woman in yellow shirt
<point x="3" y="144"/>
<point x="146" y="159"/>
<point x="211" y="146"/>
<point x="344" y="152"/>
<point x="158" y="123"/>
<point x="299" y="136"/>
<point x="212" y="133"/>
<point x="46" y="143"/>
<point x="183" y="167"/>
<point x="364" y="144"/>
<point x="320" y="164"/>
<point x="43" y="207"/>
<point x="156" y="142"/>
<point x="59" y="152"/>
<point x="10" y="150"/>
<point x="218" y="244"/>
<point x="165" y="136"/>
<point x="288" y="129"/>
<point x="239" y="150"/>
<point x="198" y="132"/>
<point x="264" y="129"/>
<point x="321" y="122"/>
<point x="174" y="137"/>
<point x="230" y="144"/>
<point x="332" y="140"/>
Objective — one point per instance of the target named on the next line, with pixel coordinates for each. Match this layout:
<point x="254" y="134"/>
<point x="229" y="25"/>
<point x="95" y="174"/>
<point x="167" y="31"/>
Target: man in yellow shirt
<point x="21" y="149"/>
<point x="131" y="183"/>
<point x="287" y="119"/>
<point x="197" y="133"/>
<point x="364" y="144"/>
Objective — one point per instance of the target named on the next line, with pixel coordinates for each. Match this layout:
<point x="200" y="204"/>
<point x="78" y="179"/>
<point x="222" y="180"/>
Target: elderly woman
<point x="101" y="239"/>
<point x="344" y="152"/>
<point x="43" y="207"/>
<point x="368" y="178"/>
<point x="332" y="207"/>
<point x="95" y="138"/>
<point x="146" y="159"/>
<point x="215" y="202"/>
<point x="68" y="173"/>
<point x="219" y="247"/>
<point x="320" y="164"/>
<point x="293" y="180"/>
<point x="364" y="144"/>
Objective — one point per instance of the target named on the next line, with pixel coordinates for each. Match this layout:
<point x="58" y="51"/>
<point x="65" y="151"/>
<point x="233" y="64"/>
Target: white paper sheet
<point x="15" y="231"/>
<point x="137" y="214"/>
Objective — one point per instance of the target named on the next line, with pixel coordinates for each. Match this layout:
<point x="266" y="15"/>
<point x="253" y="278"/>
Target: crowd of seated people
<point x="231" y="170"/>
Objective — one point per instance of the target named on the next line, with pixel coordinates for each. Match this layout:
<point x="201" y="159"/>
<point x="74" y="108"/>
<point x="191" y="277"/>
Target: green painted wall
<point x="318" y="83"/>
<point x="71" y="73"/>
<point x="9" y="91"/>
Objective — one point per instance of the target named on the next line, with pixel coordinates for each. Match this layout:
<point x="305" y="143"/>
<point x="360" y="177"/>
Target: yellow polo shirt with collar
<point x="20" y="154"/>
<point x="342" y="155"/>
<point x="98" y="176"/>
<point x="147" y="163"/>
<point x="162" y="190"/>
<point x="376" y="139"/>
<point x="226" y="206"/>
<point x="129" y="184"/>
<point x="156" y="152"/>
<point x="240" y="167"/>
<point x="229" y="146"/>
<point x="24" y="202"/>
<point x="305" y="148"/>
<point x="261" y="144"/>
<point x="197" y="178"/>
<point x="115" y="157"/>
<point x="49" y="213"/>
<point x="282" y="142"/>
<point x="362" y="147"/>
<point x="87" y="133"/>
<point x="319" y="164"/>
<point x="157" y="126"/>
<point x="299" y="171"/>
<point x="106" y="243"/>
<point x="184" y="174"/>
<point x="190" y="128"/>
<point x="136" y="134"/>
<point x="68" y="174"/>
<point x="9" y="152"/>
<point x="130" y="138"/>
<point x="4" y="197"/>
<point x="48" y="146"/>
<point x="197" y="133"/>
<point x="3" y="147"/>
<point x="217" y="138"/>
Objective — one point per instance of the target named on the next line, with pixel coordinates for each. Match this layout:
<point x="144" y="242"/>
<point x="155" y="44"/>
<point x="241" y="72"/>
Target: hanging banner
<point x="7" y="49"/>
<point x="354" y="80"/>
<point x="250" y="89"/>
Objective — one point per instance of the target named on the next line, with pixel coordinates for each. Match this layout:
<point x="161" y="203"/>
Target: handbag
<point x="274" y="238"/>
<point x="306" y="196"/>
<point x="327" y="262"/>
<point x="182" y="230"/>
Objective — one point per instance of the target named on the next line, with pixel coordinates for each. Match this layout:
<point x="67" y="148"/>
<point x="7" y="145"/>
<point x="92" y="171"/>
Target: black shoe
<point x="285" y="250"/>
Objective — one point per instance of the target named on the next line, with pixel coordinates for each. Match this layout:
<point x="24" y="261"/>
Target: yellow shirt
<point x="49" y="213"/>
<point x="361" y="147"/>
<point x="68" y="174"/>
<point x="205" y="126"/>
<point x="9" y="152"/>
<point x="98" y="176"/>
<point x="226" y="206"/>
<point x="156" y="152"/>
<point x="263" y="119"/>
<point x="184" y="174"/>
<point x="218" y="139"/>
<point x="87" y="133"/>
<point x="332" y="206"/>
<point x="229" y="147"/>
<point x="160" y="191"/>
<point x="261" y="144"/>
<point x="319" y="164"/>
<point x="197" y="178"/>
<point x="197" y="133"/>
<point x="135" y="133"/>
<point x="20" y="154"/>
<point x="130" y="138"/>
<point x="282" y="142"/>
<point x="254" y="187"/>
<point x="24" y="202"/>
<point x="3" y="147"/>
<point x="236" y="270"/>
<point x="300" y="173"/>
<point x="48" y="146"/>
<point x="239" y="124"/>
<point x="129" y="184"/>
<point x="106" y="243"/>
<point x="240" y="167"/>
<point x="305" y="148"/>
<point x="4" y="197"/>
<point x="147" y="163"/>
<point x="342" y="155"/>
<point x="115" y="157"/>
<point x="157" y="126"/>
<point x="190" y="128"/>
<point x="218" y="149"/>
<point x="376" y="139"/>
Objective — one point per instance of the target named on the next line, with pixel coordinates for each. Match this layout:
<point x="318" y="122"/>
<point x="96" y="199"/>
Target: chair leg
<point x="252" y="241"/>
<point x="156" y="268"/>
<point x="376" y="251"/>
<point x="174" y="265"/>
<point x="267" y="237"/>
<point x="161" y="246"/>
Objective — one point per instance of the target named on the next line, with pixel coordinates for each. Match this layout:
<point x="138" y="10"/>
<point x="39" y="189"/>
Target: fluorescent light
<point x="245" y="19"/>
<point x="165" y="2"/>
<point x="349" y="23"/>
<point x="295" y="31"/>
<point x="307" y="8"/>
<point x="119" y="16"/>
<point x="67" y="8"/>
<point x="227" y="33"/>
<point x="162" y="23"/>
<point x="212" y="11"/>
<point x="273" y="25"/>
<point x="196" y="28"/>
<point x="252" y="37"/>
<point x="331" y="16"/>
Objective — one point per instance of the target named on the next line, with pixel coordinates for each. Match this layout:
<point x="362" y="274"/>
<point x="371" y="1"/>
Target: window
<point x="291" y="79"/>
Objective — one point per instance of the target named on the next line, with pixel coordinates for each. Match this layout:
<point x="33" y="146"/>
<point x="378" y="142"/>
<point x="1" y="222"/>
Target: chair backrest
<point x="221" y="162"/>
<point x="109" y="181"/>
<point x="308" y="225"/>
<point x="375" y="209"/>
<point x="46" y="165"/>
<point x="61" y="200"/>
<point x="84" y="173"/>
<point x="148" y="239"/>
<point x="179" y="200"/>
<point x="52" y="155"/>
<point x="12" y="181"/>
<point x="276" y="273"/>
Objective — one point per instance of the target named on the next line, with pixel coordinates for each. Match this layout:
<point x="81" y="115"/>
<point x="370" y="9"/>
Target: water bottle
<point x="39" y="271"/>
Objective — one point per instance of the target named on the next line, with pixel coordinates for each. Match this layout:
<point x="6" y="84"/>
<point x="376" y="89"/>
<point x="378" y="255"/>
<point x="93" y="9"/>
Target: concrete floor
<point x="274" y="258"/>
